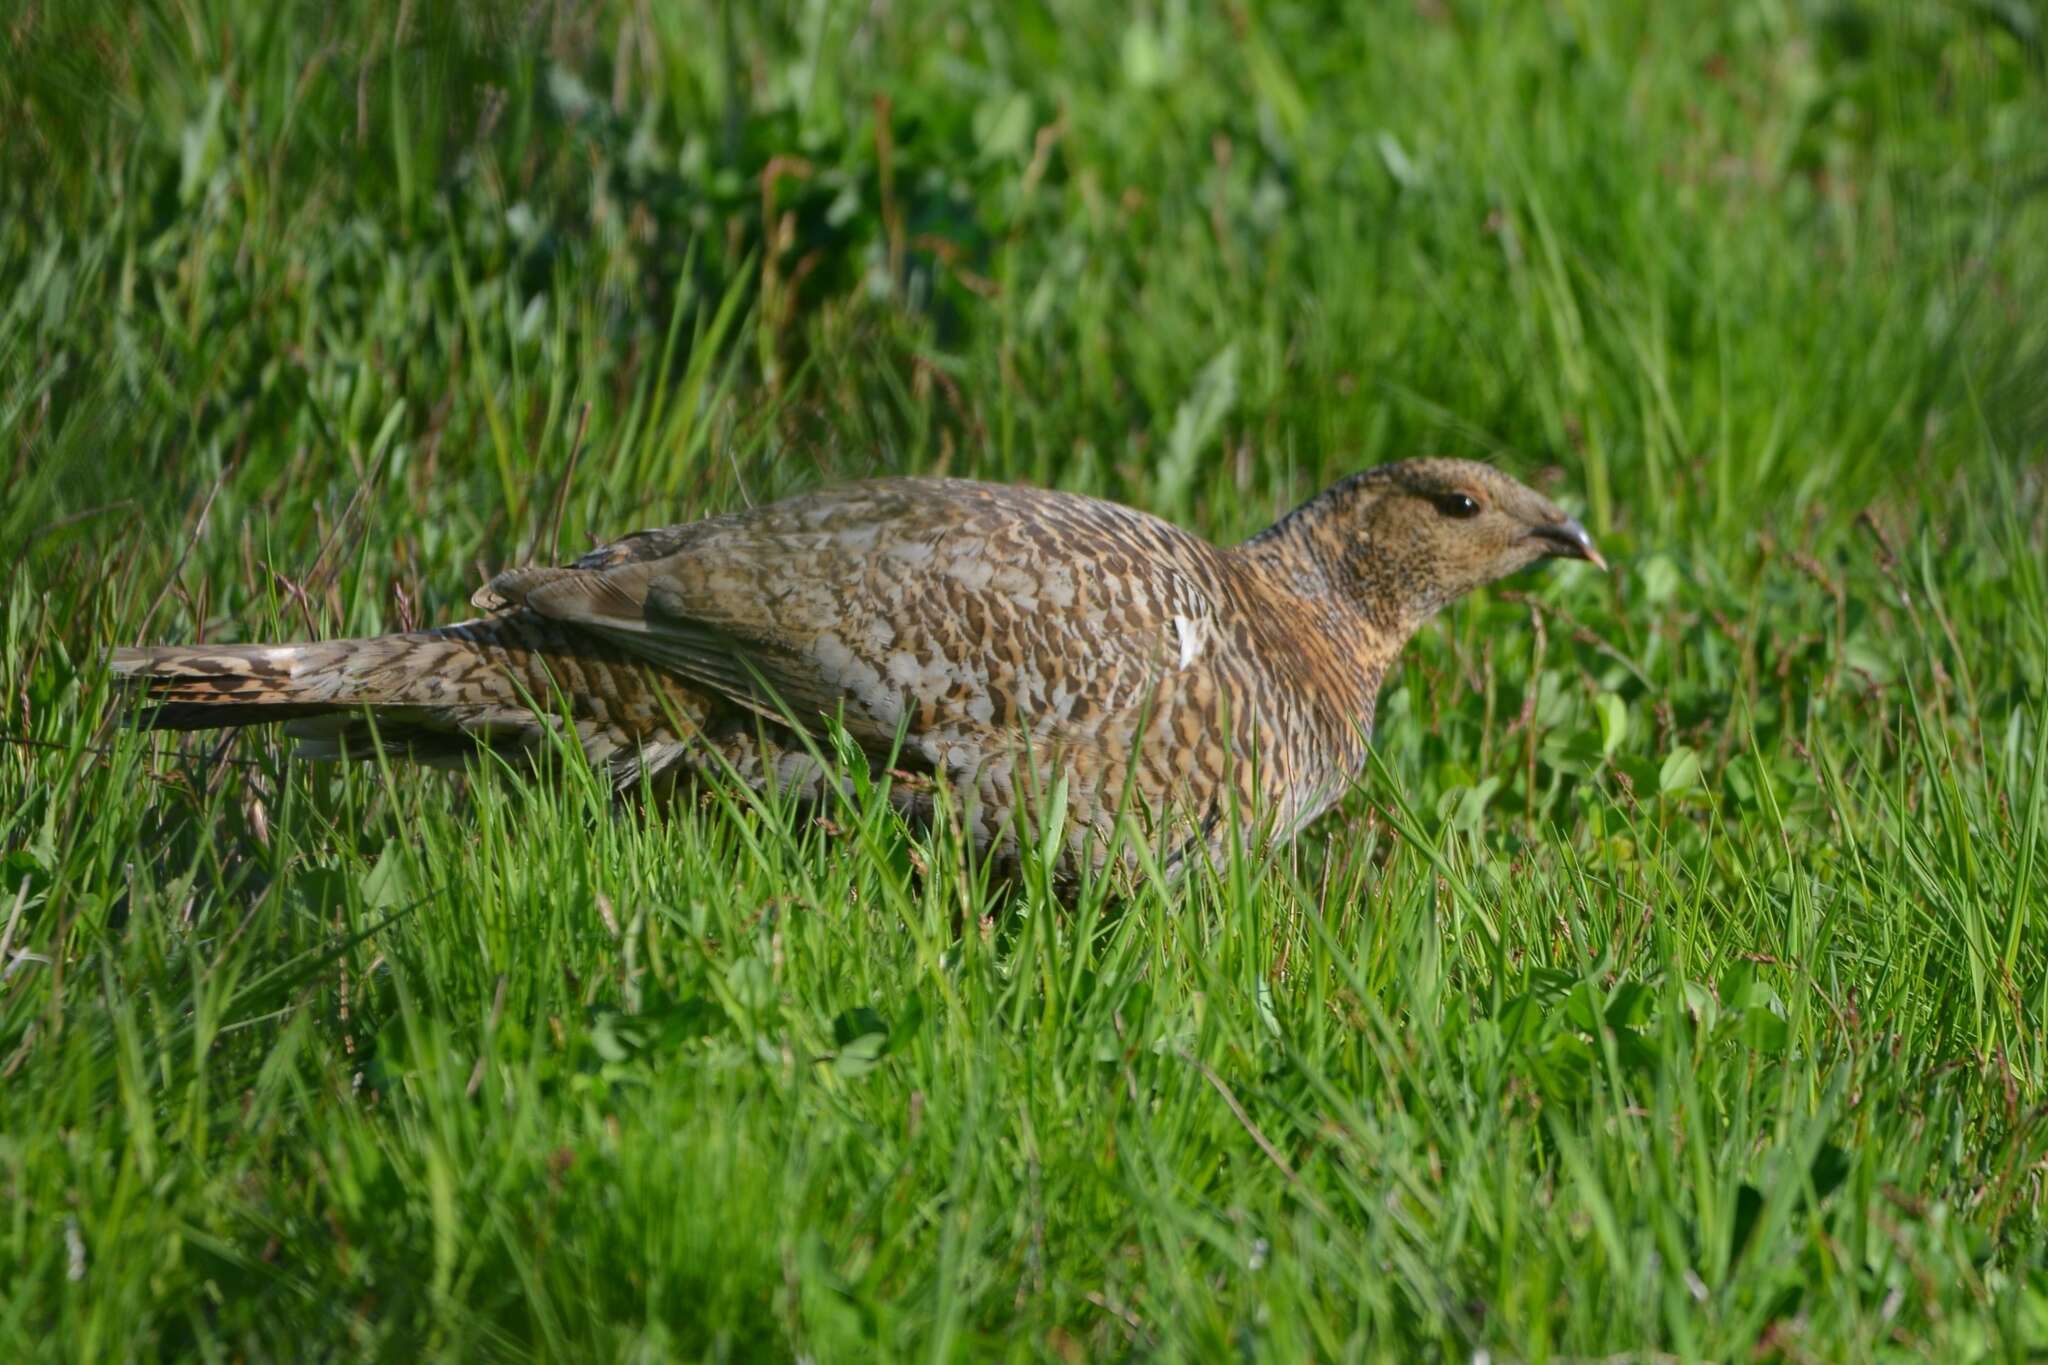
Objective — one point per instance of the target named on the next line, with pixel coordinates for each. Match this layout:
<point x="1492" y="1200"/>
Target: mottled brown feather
<point x="999" y="638"/>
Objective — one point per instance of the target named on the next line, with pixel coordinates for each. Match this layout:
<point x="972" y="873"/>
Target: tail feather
<point x="504" y="682"/>
<point x="421" y="668"/>
<point x="207" y="687"/>
<point x="441" y="680"/>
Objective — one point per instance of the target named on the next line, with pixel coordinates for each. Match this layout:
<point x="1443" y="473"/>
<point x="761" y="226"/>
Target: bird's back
<point x="993" y="642"/>
<point x="1007" y="637"/>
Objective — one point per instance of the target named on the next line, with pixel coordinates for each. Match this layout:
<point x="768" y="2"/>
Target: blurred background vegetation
<point x="1211" y="254"/>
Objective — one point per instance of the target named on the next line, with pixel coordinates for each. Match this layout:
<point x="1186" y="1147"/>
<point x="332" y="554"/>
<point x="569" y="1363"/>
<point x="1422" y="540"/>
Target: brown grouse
<point x="987" y="642"/>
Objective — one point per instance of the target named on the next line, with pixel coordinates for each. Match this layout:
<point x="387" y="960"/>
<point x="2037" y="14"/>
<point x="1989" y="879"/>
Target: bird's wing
<point x="953" y="607"/>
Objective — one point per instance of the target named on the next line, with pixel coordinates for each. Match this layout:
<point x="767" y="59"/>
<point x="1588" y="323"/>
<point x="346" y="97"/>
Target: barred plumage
<point x="997" y="639"/>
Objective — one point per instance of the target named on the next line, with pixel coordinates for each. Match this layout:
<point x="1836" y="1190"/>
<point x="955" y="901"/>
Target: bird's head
<point x="1403" y="540"/>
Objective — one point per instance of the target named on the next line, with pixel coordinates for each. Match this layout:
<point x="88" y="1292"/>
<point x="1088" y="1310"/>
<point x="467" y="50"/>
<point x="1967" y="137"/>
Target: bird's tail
<point x="427" y="694"/>
<point x="207" y="687"/>
<point x="502" y="682"/>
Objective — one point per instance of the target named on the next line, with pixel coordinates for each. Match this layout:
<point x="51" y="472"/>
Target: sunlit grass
<point x="1673" y="984"/>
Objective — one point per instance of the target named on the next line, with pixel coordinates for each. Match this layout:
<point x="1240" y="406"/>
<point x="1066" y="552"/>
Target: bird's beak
<point x="1569" y="540"/>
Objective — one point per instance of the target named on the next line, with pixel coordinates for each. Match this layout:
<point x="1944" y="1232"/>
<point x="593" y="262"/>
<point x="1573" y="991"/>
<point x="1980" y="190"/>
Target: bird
<point x="1022" y="654"/>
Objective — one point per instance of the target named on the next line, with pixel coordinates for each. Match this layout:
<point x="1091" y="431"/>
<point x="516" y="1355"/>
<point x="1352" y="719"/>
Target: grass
<point x="1673" y="985"/>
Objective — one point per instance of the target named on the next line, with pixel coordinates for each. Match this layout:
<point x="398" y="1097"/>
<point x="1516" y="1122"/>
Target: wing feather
<point x="878" y="601"/>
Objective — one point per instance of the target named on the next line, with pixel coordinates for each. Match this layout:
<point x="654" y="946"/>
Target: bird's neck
<point x="1340" y="646"/>
<point x="1334" y="545"/>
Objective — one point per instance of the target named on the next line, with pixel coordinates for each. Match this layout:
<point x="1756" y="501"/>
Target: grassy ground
<point x="1673" y="985"/>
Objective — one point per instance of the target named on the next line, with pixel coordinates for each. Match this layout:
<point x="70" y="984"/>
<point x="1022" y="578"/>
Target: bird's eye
<point x="1458" y="505"/>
